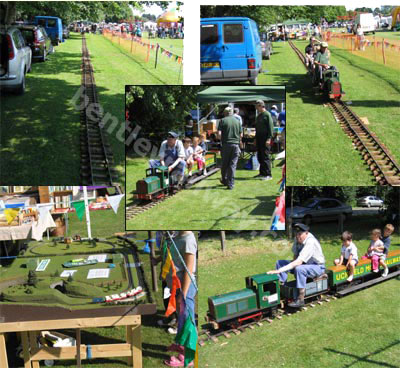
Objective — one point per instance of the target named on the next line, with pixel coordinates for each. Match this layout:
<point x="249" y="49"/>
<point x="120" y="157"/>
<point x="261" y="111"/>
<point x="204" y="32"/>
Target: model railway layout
<point x="378" y="158"/>
<point x="96" y="156"/>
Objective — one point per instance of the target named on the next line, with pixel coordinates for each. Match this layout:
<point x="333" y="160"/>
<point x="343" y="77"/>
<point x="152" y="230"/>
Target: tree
<point x="32" y="278"/>
<point x="56" y="273"/>
<point x="70" y="278"/>
<point x="152" y="111"/>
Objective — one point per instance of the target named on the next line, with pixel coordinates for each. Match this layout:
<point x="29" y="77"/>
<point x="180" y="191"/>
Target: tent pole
<point x="198" y="118"/>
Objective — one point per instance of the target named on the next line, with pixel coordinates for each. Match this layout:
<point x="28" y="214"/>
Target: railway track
<point x="381" y="162"/>
<point x="209" y="335"/>
<point x="96" y="156"/>
<point x="135" y="210"/>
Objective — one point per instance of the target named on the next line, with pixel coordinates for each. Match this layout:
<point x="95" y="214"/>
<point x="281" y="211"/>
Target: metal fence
<point x="168" y="64"/>
<point x="378" y="49"/>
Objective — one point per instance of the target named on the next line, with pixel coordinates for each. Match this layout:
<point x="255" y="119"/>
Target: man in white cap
<point x="322" y="60"/>
<point x="172" y="155"/>
<point x="264" y="133"/>
<point x="229" y="131"/>
<point x="308" y="261"/>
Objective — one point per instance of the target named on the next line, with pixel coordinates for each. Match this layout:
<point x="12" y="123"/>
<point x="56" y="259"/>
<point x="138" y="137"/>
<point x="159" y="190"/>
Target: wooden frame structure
<point x="29" y="330"/>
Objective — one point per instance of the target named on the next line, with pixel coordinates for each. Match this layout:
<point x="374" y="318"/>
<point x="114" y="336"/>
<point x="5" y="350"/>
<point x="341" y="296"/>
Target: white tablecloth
<point x="15" y="232"/>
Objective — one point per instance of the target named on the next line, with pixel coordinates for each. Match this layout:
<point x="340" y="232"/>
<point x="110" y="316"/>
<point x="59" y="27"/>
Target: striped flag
<point x="176" y="284"/>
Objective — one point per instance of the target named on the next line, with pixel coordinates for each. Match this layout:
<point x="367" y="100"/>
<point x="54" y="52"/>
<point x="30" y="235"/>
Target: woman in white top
<point x="360" y="37"/>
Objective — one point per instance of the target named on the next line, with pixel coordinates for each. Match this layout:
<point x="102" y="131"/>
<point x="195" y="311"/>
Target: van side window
<point x="17" y="41"/>
<point x="51" y="23"/>
<point x="42" y="22"/>
<point x="233" y="33"/>
<point x="209" y="34"/>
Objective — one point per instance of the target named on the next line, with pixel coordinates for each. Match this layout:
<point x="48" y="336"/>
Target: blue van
<point x="53" y="27"/>
<point x="230" y="50"/>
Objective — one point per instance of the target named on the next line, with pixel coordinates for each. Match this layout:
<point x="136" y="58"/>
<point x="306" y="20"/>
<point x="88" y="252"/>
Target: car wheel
<point x="308" y="220"/>
<point x="21" y="88"/>
<point x="253" y="81"/>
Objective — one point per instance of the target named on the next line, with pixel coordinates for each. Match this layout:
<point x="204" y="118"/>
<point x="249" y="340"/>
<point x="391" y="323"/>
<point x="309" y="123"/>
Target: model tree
<point x="70" y="278"/>
<point x="56" y="273"/>
<point x="32" y="278"/>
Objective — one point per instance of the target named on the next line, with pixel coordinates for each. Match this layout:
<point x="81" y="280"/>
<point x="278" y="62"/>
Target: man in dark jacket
<point x="264" y="132"/>
<point x="229" y="130"/>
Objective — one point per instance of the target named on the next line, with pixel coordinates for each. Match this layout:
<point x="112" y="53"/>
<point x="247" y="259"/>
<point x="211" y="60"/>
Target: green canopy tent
<point x="226" y="94"/>
<point x="238" y="94"/>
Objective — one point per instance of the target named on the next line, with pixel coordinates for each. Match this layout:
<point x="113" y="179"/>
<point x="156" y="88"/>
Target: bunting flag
<point x="44" y="208"/>
<point x="2" y="206"/>
<point x="187" y="336"/>
<point x="176" y="284"/>
<point x="79" y="208"/>
<point x="11" y="214"/>
<point x="278" y="217"/>
<point x="114" y="201"/>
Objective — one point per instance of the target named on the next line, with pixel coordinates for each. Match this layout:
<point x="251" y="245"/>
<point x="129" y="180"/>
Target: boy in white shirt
<point x="348" y="255"/>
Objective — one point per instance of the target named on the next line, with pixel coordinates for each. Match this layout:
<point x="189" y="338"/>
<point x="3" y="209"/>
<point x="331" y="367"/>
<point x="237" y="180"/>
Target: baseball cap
<point x="324" y="44"/>
<point x="260" y="103"/>
<point x="172" y="135"/>
<point x="299" y="227"/>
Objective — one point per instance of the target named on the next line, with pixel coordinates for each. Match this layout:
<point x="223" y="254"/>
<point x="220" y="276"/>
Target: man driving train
<point x="172" y="155"/>
<point x="308" y="261"/>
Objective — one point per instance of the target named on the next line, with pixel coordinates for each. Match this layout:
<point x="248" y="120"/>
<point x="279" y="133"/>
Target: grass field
<point x="342" y="333"/>
<point x="379" y="33"/>
<point x="40" y="130"/>
<point x="208" y="205"/>
<point x="315" y="133"/>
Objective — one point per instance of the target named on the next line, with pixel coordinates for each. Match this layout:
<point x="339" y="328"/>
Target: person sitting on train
<point x="172" y="155"/>
<point x="188" y="154"/>
<point x="202" y="142"/>
<point x="198" y="154"/>
<point x="310" y="51"/>
<point x="375" y="252"/>
<point x="322" y="61"/>
<point x="386" y="237"/>
<point x="308" y="261"/>
<point x="348" y="254"/>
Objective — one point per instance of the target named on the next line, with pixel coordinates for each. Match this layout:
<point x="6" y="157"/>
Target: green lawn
<point x="339" y="334"/>
<point x="208" y="205"/>
<point x="134" y="70"/>
<point x="171" y="44"/>
<point x="315" y="132"/>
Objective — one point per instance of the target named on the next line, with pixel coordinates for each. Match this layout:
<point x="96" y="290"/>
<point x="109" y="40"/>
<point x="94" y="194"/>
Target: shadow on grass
<point x="40" y="140"/>
<point x="367" y="358"/>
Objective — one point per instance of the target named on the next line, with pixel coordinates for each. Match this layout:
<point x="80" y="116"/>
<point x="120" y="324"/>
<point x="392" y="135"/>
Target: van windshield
<point x="233" y="33"/>
<point x="209" y="33"/>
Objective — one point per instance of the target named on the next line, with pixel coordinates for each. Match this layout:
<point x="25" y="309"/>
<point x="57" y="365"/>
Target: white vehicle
<point x="15" y="59"/>
<point x="367" y="22"/>
<point x="370" y="201"/>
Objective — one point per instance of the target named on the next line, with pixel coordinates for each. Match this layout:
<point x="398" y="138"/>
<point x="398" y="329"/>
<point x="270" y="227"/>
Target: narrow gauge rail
<point x="96" y="155"/>
<point x="135" y="210"/>
<point x="379" y="159"/>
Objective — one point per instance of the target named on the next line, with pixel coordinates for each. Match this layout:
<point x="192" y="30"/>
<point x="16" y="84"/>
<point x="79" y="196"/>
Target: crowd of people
<point x="309" y="261"/>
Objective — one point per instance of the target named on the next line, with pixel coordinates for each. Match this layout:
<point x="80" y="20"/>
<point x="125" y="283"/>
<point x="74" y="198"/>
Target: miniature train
<point x="159" y="182"/>
<point x="263" y="293"/>
<point x="130" y="295"/>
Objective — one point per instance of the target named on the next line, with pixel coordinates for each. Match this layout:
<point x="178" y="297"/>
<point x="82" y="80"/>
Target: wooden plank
<point x="33" y="342"/>
<point x="25" y="348"/>
<point x="368" y="283"/>
<point x="3" y="352"/>
<point x="70" y="323"/>
<point x="137" y="346"/>
<point x="67" y="352"/>
<point x="111" y="350"/>
<point x="78" y="347"/>
<point x="128" y="332"/>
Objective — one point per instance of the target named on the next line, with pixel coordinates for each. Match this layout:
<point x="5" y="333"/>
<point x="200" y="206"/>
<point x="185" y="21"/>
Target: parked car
<point x="369" y="201"/>
<point x="65" y="32"/>
<point x="266" y="47"/>
<point x="53" y="27"/>
<point x="230" y="50"/>
<point x="318" y="210"/>
<point x="37" y="39"/>
<point x="15" y="59"/>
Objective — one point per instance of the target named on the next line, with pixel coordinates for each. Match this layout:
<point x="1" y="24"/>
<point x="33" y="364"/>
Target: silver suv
<point x="15" y="59"/>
